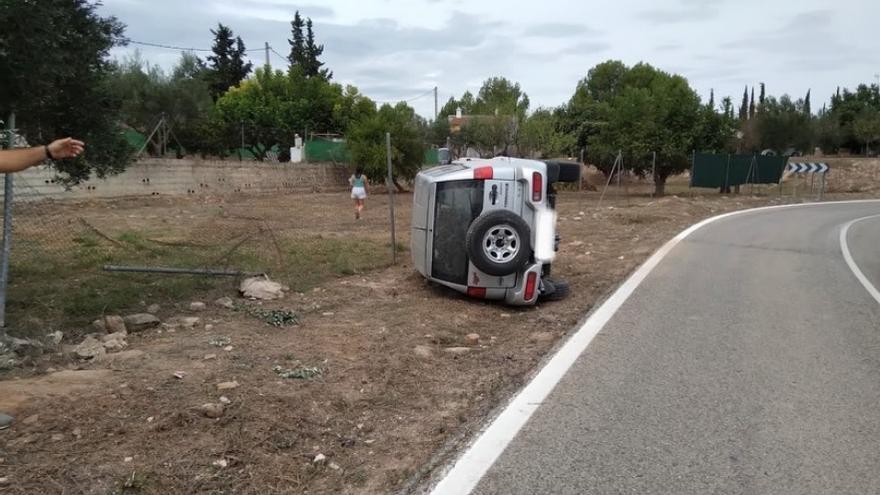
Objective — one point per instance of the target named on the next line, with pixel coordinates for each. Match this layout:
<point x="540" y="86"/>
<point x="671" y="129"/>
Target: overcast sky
<point x="400" y="49"/>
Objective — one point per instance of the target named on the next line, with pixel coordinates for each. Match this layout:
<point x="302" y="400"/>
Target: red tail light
<point x="537" y="186"/>
<point x="483" y="173"/>
<point x="479" y="292"/>
<point x="531" y="282"/>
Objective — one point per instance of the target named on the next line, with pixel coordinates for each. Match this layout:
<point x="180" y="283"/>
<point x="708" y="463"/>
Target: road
<point x="747" y="361"/>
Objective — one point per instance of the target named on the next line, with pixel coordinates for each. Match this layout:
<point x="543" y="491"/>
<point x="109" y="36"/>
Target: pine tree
<point x="752" y="105"/>
<point x="727" y="107"/>
<point x="807" y="109"/>
<point x="298" y="56"/>
<point x="744" y="108"/>
<point x="228" y="67"/>
<point x="313" y="51"/>
<point x="712" y="99"/>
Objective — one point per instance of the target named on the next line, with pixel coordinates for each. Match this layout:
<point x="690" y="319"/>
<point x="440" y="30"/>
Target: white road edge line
<point x="470" y="467"/>
<point x="847" y="256"/>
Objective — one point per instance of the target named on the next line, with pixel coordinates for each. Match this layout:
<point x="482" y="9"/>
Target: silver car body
<point x="449" y="197"/>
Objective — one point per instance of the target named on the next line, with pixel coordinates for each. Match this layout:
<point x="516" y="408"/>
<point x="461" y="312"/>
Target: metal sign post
<point x="390" y="182"/>
<point x="812" y="169"/>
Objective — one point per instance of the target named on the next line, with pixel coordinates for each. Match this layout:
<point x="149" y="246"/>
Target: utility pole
<point x="435" y="103"/>
<point x="7" y="229"/>
<point x="268" y="63"/>
<point x="390" y="182"/>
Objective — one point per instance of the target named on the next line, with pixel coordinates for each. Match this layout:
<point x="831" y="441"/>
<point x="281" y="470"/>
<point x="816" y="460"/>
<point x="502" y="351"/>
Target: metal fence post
<point x="390" y="182"/>
<point x="7" y="228"/>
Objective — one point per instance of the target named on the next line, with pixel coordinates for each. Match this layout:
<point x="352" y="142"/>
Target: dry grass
<point x="381" y="413"/>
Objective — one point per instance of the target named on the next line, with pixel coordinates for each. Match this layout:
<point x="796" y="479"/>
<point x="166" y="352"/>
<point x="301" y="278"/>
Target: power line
<point x="430" y="91"/>
<point x="276" y="53"/>
<point x="167" y="47"/>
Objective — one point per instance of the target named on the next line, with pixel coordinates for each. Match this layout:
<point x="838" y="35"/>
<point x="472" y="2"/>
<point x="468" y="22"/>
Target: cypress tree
<point x="744" y="108"/>
<point x="752" y="105"/>
<point x="227" y="65"/>
<point x="312" y="52"/>
<point x="298" y="56"/>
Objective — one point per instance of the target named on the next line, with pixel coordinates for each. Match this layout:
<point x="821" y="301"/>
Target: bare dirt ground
<point x="390" y="401"/>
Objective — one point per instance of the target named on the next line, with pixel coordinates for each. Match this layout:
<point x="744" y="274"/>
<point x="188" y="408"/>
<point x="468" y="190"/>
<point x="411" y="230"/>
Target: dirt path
<point x="396" y="381"/>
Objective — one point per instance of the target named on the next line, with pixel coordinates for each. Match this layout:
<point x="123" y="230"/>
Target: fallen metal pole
<point x="178" y="271"/>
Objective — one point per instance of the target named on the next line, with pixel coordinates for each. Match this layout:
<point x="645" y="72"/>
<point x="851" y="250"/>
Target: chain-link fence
<point x="293" y="222"/>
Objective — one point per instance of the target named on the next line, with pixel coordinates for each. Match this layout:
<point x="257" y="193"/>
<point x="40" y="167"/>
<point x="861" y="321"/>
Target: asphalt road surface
<point x="747" y="362"/>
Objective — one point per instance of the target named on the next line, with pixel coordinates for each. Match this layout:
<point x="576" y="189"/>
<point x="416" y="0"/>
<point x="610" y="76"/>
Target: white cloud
<point x="402" y="48"/>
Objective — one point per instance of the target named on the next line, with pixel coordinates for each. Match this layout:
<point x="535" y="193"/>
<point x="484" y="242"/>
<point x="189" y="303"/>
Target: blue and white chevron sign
<point x="808" y="168"/>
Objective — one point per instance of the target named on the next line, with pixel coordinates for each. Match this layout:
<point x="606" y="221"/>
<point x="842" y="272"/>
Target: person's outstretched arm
<point x="19" y="159"/>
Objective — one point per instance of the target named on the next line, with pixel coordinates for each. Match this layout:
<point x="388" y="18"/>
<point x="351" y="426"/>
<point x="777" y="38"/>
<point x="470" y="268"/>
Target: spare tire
<point x="499" y="243"/>
<point x="569" y="172"/>
<point x="560" y="171"/>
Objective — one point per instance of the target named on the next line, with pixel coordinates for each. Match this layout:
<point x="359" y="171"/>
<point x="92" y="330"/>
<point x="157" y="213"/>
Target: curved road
<point x="747" y="361"/>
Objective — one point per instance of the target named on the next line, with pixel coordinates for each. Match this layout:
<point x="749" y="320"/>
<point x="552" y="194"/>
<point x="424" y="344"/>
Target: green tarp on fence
<point x="337" y="151"/>
<point x="327" y="151"/>
<point x="717" y="171"/>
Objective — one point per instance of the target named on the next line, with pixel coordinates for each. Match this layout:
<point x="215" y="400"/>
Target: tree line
<point x="58" y="78"/>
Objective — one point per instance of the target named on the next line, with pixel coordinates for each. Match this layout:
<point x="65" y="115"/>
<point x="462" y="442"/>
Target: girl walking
<point x="359" y="184"/>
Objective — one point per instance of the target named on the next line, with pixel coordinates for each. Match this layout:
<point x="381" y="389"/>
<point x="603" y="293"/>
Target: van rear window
<point x="457" y="204"/>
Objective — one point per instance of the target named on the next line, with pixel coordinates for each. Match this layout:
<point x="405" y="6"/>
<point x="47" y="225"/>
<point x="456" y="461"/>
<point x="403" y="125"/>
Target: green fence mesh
<point x="716" y="171"/>
<point x="327" y="151"/>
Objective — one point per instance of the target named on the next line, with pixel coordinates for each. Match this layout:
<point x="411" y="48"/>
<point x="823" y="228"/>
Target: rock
<point x="57" y="437"/>
<point x="128" y="459"/>
<point x="228" y="348"/>
<point x="261" y="288"/>
<point x="55" y="338"/>
<point x="457" y="350"/>
<point x="25" y="347"/>
<point x="141" y="321"/>
<point x="114" y="336"/>
<point x="320" y="459"/>
<point x="115" y="344"/>
<point x="209" y="357"/>
<point x="541" y="337"/>
<point x="225" y="302"/>
<point x="190" y="321"/>
<point x="225" y="400"/>
<point x="209" y="327"/>
<point x="8" y="361"/>
<point x="221" y="463"/>
<point x="423" y="351"/>
<point x="77" y="432"/>
<point x="90" y="348"/>
<point x="334" y="466"/>
<point x="227" y="385"/>
<point x="472" y="339"/>
<point x="211" y="410"/>
<point x="153" y="309"/>
<point x="179" y="375"/>
<point x="100" y="325"/>
<point x="115" y="324"/>
<point x="31" y="420"/>
<point x="197" y="306"/>
<point x="123" y="356"/>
